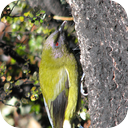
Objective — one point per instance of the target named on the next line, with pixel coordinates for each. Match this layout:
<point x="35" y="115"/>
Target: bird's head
<point x="55" y="43"/>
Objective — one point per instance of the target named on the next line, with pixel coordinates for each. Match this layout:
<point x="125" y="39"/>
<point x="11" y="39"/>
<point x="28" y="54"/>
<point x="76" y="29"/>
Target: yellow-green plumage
<point x="58" y="80"/>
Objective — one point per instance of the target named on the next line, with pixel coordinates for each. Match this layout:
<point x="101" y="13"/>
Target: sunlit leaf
<point x="21" y="18"/>
<point x="38" y="14"/>
<point x="34" y="18"/>
<point x="42" y="11"/>
<point x="7" y="86"/>
<point x="13" y="61"/>
<point x="21" y="49"/>
<point x="34" y="97"/>
<point x="41" y="21"/>
<point x="33" y="89"/>
<point x="26" y="13"/>
<point x="9" y="78"/>
<point x="36" y="82"/>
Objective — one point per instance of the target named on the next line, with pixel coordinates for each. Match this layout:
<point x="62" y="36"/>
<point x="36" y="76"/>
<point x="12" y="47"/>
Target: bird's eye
<point x="57" y="44"/>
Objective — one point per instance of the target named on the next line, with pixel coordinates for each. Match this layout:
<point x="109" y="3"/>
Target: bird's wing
<point x="56" y="104"/>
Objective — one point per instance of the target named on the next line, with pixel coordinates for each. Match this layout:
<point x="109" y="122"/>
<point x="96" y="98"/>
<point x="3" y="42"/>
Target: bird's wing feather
<point x="60" y="103"/>
<point x="48" y="113"/>
<point x="55" y="106"/>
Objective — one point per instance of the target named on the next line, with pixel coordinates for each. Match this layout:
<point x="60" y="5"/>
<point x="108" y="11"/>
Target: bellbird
<point x="59" y="80"/>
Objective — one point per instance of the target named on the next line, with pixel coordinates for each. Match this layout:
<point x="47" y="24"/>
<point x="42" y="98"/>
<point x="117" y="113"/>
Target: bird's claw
<point x="81" y="88"/>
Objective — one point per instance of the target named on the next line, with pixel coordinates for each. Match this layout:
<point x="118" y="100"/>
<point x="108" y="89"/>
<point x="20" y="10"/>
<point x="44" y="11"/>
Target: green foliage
<point x="35" y="44"/>
<point x="35" y="108"/>
<point x="2" y="69"/>
<point x="25" y="35"/>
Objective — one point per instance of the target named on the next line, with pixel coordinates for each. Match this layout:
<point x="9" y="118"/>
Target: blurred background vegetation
<point x="23" y="29"/>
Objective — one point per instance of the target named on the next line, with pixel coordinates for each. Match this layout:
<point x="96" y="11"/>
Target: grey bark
<point x="102" y="30"/>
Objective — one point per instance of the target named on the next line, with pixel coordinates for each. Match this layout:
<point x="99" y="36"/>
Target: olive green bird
<point x="58" y="74"/>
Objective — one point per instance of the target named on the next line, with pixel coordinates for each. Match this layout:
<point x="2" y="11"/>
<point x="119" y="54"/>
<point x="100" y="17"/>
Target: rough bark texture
<point x="102" y="30"/>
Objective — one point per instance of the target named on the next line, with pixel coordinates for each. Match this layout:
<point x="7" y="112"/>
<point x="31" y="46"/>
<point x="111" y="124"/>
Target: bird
<point x="59" y="80"/>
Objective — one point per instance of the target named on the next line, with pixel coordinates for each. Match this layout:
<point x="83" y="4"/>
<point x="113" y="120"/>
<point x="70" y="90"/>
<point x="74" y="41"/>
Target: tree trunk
<point x="101" y="27"/>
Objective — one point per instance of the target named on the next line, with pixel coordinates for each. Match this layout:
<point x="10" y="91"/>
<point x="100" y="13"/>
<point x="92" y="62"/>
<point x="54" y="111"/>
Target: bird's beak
<point x="62" y="26"/>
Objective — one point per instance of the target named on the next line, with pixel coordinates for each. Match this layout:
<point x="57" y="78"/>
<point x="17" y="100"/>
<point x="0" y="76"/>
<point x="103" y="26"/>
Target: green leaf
<point x="42" y="11"/>
<point x="27" y="13"/>
<point x="41" y="21"/>
<point x="35" y="108"/>
<point x="21" y="18"/>
<point x="9" y="78"/>
<point x="13" y="61"/>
